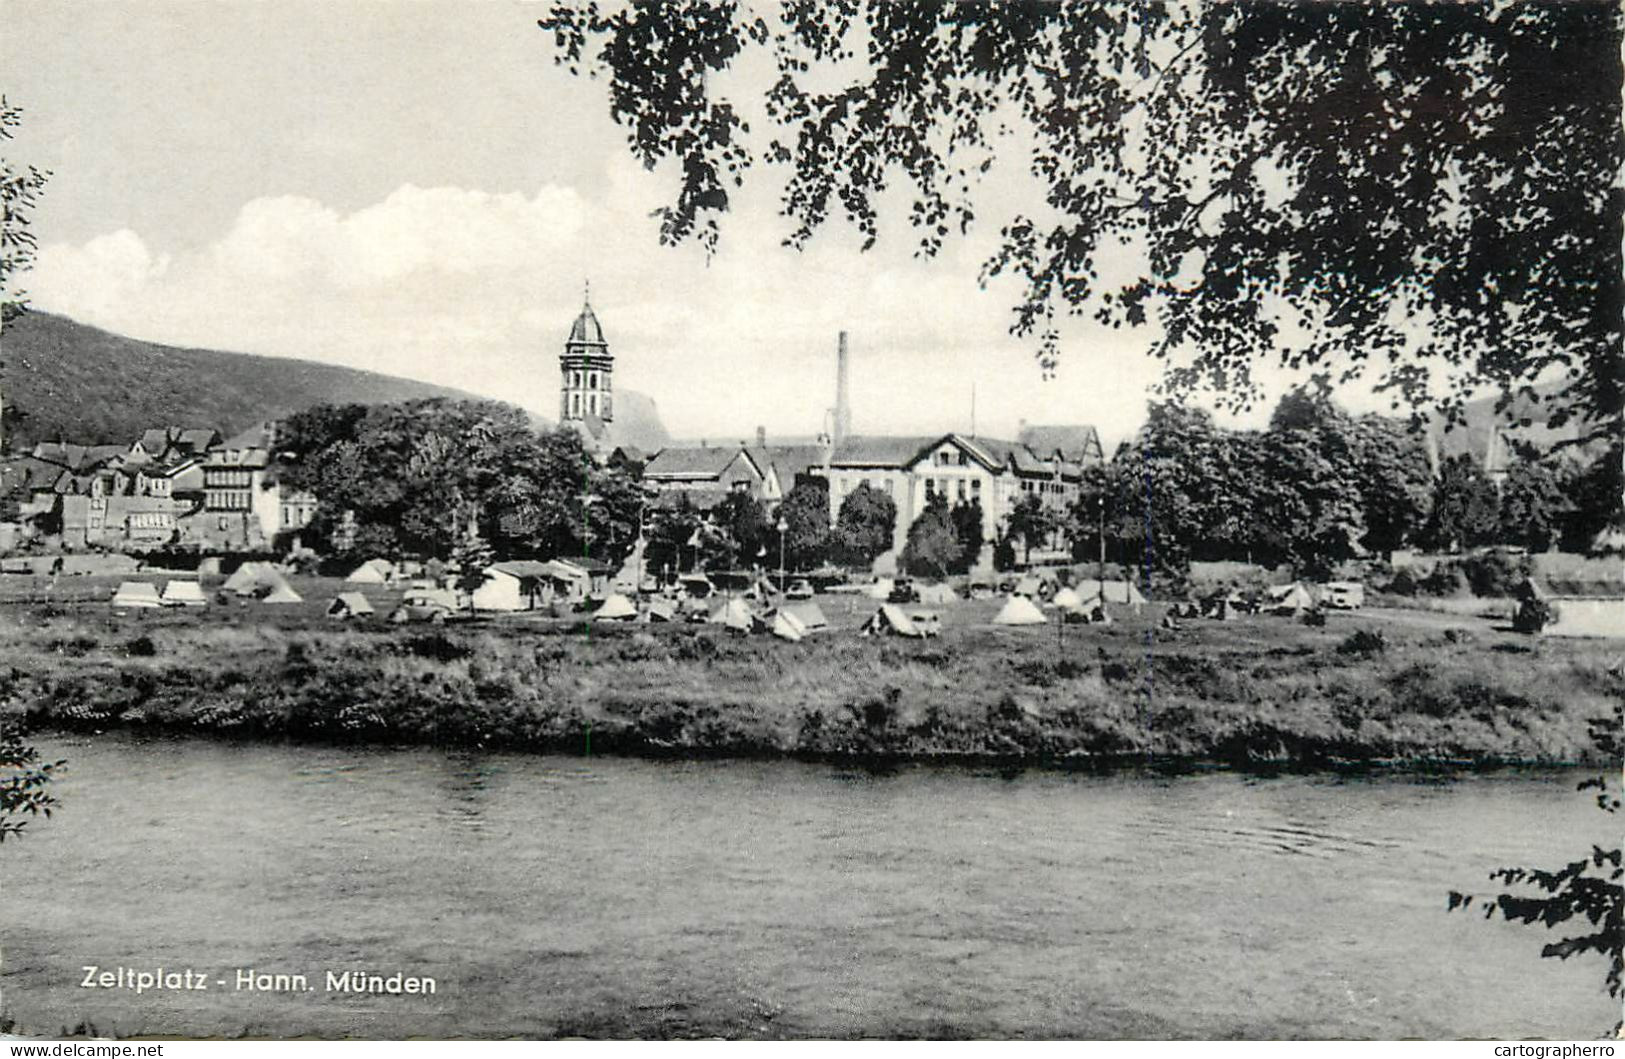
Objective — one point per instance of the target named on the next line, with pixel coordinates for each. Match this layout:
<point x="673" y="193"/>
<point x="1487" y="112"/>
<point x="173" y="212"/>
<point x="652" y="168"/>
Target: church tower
<point x="585" y="370"/>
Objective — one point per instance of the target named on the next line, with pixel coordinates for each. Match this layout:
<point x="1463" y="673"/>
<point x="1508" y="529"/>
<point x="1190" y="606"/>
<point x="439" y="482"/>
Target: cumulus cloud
<point x="477" y="289"/>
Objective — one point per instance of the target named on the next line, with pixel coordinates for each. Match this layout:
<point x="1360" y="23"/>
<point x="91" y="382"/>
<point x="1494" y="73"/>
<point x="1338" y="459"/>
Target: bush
<point x="141" y="647"/>
<point x="1533" y="615"/>
<point x="1445" y="580"/>
<point x="1363" y="643"/>
<point x="1495" y="573"/>
<point x="1403" y="583"/>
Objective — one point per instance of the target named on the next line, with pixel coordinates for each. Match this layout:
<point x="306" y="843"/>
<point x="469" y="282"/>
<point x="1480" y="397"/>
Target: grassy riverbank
<point x="1257" y="691"/>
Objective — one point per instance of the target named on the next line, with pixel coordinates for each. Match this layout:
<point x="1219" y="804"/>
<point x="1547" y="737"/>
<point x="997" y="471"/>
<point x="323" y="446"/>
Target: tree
<point x="671" y="529"/>
<point x="864" y="526"/>
<point x="1533" y="504"/>
<point x="23" y="790"/>
<point x="398" y="479"/>
<point x="805" y="514"/>
<point x="1466" y="510"/>
<point x="966" y="519"/>
<point x="934" y="547"/>
<point x="1032" y="521"/>
<point x="1597" y="489"/>
<point x="741" y="520"/>
<point x="1341" y="168"/>
<point x="1391" y="472"/>
<point x="470" y="561"/>
<point x="20" y="188"/>
<point x="1588" y="889"/>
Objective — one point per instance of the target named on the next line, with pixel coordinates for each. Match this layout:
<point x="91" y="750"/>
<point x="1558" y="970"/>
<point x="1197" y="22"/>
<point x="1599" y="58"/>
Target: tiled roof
<point x="586" y="330"/>
<point x="1076" y="442"/>
<point x="694" y="464"/>
<point x="788" y="460"/>
<point x="880" y="451"/>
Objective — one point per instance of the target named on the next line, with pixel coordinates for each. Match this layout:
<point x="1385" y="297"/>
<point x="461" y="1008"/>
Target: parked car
<point x="421" y="606"/>
<point x="800" y="588"/>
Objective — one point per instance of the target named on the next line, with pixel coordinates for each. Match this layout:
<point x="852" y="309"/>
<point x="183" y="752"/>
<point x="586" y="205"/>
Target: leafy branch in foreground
<point x="1587" y="890"/>
<point x="25" y="777"/>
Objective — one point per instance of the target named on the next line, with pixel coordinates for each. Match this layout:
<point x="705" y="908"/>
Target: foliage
<point x="1033" y="521"/>
<point x="469" y="561"/>
<point x="1495" y="573"/>
<point x="1533" y="504"/>
<point x="670" y="531"/>
<point x="934" y="548"/>
<point x="409" y="473"/>
<point x="1586" y="892"/>
<point x="966" y="520"/>
<point x="743" y="537"/>
<point x="1466" y="508"/>
<point x="23" y="780"/>
<point x="805" y="513"/>
<point x="1598" y="491"/>
<point x="1271" y="160"/>
<point x="864" y="526"/>
<point x="20" y="189"/>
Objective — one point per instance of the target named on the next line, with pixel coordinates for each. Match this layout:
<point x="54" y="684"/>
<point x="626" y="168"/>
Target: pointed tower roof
<point x="586" y="330"/>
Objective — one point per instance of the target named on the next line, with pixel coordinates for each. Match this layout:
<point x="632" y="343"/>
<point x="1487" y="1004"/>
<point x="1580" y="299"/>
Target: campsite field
<point x="1258" y="691"/>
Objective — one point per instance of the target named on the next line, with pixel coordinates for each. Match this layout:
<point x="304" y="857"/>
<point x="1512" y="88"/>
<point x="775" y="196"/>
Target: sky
<point x="414" y="188"/>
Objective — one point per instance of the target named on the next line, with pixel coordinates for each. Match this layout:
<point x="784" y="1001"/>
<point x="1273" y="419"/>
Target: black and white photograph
<point x="811" y="520"/>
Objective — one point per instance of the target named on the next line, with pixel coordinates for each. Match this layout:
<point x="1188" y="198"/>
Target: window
<point x="962" y="460"/>
<point x="961" y="489"/>
<point x="575" y="404"/>
<point x="976" y="488"/>
<point x="886" y="485"/>
<point x="592" y="381"/>
<point x="592" y="403"/>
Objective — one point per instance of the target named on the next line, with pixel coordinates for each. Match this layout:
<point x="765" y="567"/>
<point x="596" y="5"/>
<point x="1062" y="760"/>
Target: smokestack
<point x="761" y="437"/>
<point x="843" y="402"/>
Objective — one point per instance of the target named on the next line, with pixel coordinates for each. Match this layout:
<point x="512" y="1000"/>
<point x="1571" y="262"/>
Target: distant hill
<point x="80" y="383"/>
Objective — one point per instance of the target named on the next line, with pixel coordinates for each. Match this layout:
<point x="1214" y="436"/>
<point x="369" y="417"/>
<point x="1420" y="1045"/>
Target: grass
<point x="1255" y="692"/>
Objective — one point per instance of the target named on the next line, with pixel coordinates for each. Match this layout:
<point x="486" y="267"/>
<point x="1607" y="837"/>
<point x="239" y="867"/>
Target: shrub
<point x="1533" y="615"/>
<point x="1445" y="580"/>
<point x="1403" y="583"/>
<point x="1363" y="643"/>
<point x="141" y="647"/>
<point x="1495" y="573"/>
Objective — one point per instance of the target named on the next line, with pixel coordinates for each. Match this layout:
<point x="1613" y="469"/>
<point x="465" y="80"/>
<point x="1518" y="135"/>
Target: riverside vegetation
<point x="1262" y="692"/>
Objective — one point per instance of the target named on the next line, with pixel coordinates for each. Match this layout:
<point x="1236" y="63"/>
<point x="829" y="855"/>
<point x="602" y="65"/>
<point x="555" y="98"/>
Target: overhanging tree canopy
<point x="1427" y="193"/>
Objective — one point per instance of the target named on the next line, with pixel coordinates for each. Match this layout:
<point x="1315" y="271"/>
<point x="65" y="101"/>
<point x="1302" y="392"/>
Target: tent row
<point x="145" y="594"/>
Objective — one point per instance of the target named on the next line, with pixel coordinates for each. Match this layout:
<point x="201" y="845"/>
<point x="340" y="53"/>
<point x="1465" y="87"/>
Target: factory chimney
<point x="843" y="405"/>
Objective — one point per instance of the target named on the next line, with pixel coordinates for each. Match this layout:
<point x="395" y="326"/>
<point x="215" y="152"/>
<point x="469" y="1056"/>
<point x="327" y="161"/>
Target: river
<point x="556" y="895"/>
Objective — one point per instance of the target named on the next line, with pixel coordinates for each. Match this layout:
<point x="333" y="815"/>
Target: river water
<point x="552" y="895"/>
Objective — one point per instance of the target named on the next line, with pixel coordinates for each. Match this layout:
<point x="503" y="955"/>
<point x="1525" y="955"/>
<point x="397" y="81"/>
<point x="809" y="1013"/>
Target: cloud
<point x="477" y="289"/>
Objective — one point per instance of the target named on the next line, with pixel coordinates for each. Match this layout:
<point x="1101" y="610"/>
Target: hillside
<point x="83" y="384"/>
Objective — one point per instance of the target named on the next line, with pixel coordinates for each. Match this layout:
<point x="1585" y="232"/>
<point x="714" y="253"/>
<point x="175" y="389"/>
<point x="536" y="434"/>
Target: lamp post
<point x="783" y="526"/>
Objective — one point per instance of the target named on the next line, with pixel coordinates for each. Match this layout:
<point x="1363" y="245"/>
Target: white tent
<point x="209" y="566"/>
<point x="349" y="605"/>
<point x="890" y="619"/>
<point x="183" y="594"/>
<point x="735" y="614"/>
<point x="1110" y="592"/>
<point x="1028" y="586"/>
<point x="786" y="627"/>
<point x="371" y="572"/>
<point x="1019" y="610"/>
<point x="244" y="579"/>
<point x="881" y="589"/>
<point x="940" y="593"/>
<point x="282" y="592"/>
<point x="662" y="610"/>
<point x="137" y="594"/>
<point x="1288" y="599"/>
<point x="1068" y="599"/>
<point x="616" y="608"/>
<point x="1610" y="540"/>
<point x="807" y="614"/>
